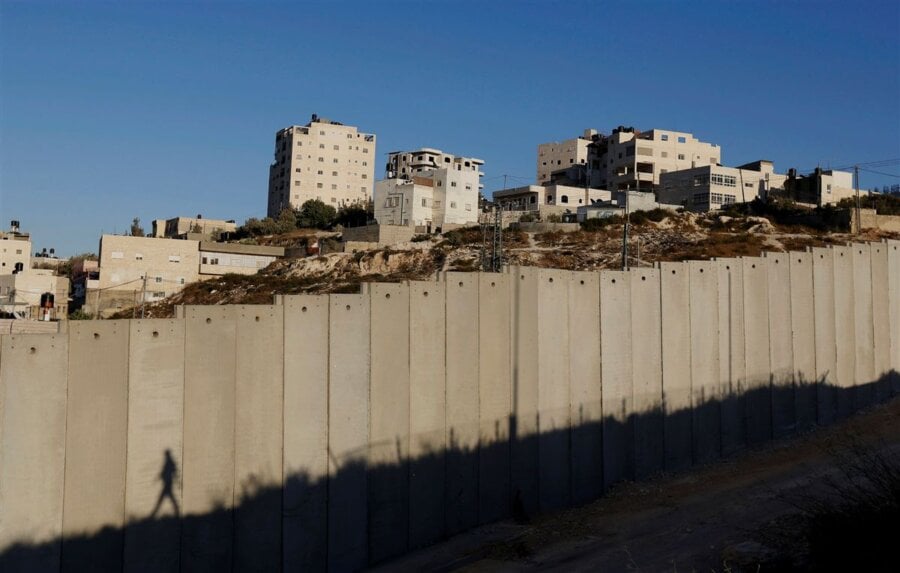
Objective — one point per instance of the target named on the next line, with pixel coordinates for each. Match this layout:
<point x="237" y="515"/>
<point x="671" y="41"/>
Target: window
<point x="682" y="139"/>
<point x="468" y="206"/>
<point x="424" y="202"/>
<point x="468" y="187"/>
<point x="748" y="184"/>
<point x="334" y="160"/>
<point x="828" y="188"/>
<point x="365" y="149"/>
<point x="333" y="200"/>
<point x="453" y="184"/>
<point x="296" y="183"/>
<point x="320" y="172"/>
<point x="321" y="133"/>
<point x="364" y="163"/>
<point x="681" y="156"/>
<point x="181" y="280"/>
<point x="364" y="176"/>
<point x="117" y="255"/>
<point x="453" y="204"/>
<point x="721" y="199"/>
<point x="392" y="201"/>
<point x="174" y="258"/>
<point x="299" y="143"/>
<point x="723" y="180"/>
<point x="336" y="147"/>
<point x="321" y="146"/>
<point x="334" y="173"/>
<point x="712" y="161"/>
<point x="664" y="137"/>
<point x="318" y="185"/>
<point x="701" y="198"/>
<point x="298" y="156"/>
<point x="214" y="261"/>
<point x="138" y="257"/>
<point x="333" y="187"/>
<point x="363" y="189"/>
<point x="564" y="199"/>
<point x="159" y="279"/>
<point x="321" y="160"/>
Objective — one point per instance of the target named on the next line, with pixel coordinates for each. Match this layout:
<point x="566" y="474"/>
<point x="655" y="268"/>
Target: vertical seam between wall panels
<point x="62" y="512"/>
<point x="234" y="424"/>
<point x="283" y="309"/>
<point x="690" y="318"/>
<point x="127" y="421"/>
<point x="408" y="410"/>
<point x="327" y="477"/>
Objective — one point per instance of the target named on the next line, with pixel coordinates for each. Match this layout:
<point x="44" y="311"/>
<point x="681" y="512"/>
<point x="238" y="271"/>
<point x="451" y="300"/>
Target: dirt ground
<point x="727" y="516"/>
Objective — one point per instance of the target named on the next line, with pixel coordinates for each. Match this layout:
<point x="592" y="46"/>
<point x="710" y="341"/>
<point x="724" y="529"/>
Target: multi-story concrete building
<point x="821" y="187"/>
<point x="15" y="251"/>
<point x="631" y="159"/>
<point x="711" y="187"/>
<point x="430" y="189"/>
<point x="185" y="227"/>
<point x="323" y="160"/>
<point x="168" y="265"/>
<point x="563" y="155"/>
<point x="625" y="159"/>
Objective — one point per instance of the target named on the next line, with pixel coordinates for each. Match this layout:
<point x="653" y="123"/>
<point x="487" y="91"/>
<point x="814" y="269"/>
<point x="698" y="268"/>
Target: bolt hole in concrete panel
<point x="96" y="335"/>
<point x="523" y="276"/>
<point x="613" y="281"/>
<point x="348" y="307"/>
<point x="208" y="320"/>
<point x="460" y="283"/>
<point x="32" y="350"/>
<point x="256" y="318"/>
<point x="643" y="278"/>
<point x="425" y="293"/>
<point x="303" y="309"/>
<point x="550" y="279"/>
<point x="155" y="334"/>
<point x="582" y="282"/>
<point x="673" y="271"/>
<point x="388" y="295"/>
<point x="701" y="270"/>
<point x="727" y="267"/>
<point x="752" y="266"/>
<point x="493" y="284"/>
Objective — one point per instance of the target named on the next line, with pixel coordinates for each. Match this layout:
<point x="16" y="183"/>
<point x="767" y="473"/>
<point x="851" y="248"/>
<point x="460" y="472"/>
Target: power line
<point x="880" y="172"/>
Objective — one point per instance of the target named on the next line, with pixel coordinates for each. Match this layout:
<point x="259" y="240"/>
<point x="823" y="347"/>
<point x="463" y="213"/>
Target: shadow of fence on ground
<point x="365" y="514"/>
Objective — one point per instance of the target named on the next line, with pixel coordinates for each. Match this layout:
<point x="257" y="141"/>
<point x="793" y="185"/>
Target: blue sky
<point x="110" y="111"/>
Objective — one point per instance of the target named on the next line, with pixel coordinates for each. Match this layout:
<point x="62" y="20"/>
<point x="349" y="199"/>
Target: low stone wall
<point x="872" y="220"/>
<point x="546" y="227"/>
<point x="380" y="234"/>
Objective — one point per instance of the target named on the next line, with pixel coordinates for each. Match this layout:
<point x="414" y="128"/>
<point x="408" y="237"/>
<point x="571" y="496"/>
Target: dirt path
<point x="686" y="522"/>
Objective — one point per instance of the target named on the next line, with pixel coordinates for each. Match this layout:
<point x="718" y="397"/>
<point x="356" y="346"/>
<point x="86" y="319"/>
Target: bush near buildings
<point x="883" y="204"/>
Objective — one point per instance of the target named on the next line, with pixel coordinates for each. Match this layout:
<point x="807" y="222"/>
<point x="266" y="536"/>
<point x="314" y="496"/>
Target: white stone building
<point x="711" y="187"/>
<point x="323" y="160"/>
<point x="429" y="188"/>
<point x="560" y="155"/>
<point x="15" y="252"/>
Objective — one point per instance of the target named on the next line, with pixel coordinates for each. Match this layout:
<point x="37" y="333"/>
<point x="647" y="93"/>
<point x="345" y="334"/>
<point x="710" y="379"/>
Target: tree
<point x="353" y="216"/>
<point x="287" y="221"/>
<point x="136" y="229"/>
<point x="316" y="214"/>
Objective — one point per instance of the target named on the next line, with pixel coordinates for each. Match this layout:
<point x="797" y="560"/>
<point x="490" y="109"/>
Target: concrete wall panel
<point x="258" y="435"/>
<point x="864" y="393"/>
<point x="893" y="248"/>
<point x="462" y="402"/>
<point x="553" y="389"/>
<point x="803" y="338"/>
<point x="208" y="466"/>
<point x="845" y="329"/>
<point x="778" y="272"/>
<point x="427" y="412"/>
<point x="826" y="343"/>
<point x="756" y="350"/>
<point x="33" y="372"/>
<point x="348" y="430"/>
<point x="881" y="327"/>
<point x="705" y="388"/>
<point x="617" y="374"/>
<point x="586" y="409"/>
<point x="676" y="363"/>
<point x="524" y="422"/>
<point x="494" y="393"/>
<point x="305" y="422"/>
<point x="646" y="366"/>
<point x="155" y="436"/>
<point x="389" y="422"/>
<point x="96" y="430"/>
<point x="731" y="355"/>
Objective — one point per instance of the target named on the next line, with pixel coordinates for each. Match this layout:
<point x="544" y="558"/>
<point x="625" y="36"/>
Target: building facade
<point x="563" y="155"/>
<point x="536" y="197"/>
<point x="711" y="187"/>
<point x="21" y="293"/>
<point x="322" y="160"/>
<point x="15" y="252"/>
<point x="428" y="188"/>
<point x="182" y="227"/>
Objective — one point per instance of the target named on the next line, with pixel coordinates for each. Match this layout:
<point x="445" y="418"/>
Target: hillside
<point x="659" y="237"/>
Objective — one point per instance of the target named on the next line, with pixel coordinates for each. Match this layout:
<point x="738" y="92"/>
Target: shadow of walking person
<point x="167" y="475"/>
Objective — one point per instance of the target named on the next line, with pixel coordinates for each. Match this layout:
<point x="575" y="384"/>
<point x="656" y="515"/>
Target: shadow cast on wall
<point x="367" y="513"/>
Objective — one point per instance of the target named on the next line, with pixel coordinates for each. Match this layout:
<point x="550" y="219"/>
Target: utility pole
<point x="858" y="214"/>
<point x="625" y="235"/>
<point x="143" y="294"/>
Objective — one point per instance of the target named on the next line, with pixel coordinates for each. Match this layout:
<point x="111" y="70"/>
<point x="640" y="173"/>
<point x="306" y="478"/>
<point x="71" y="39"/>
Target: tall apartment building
<point x="563" y="155"/>
<point x="428" y="188"/>
<point x="625" y="159"/>
<point x="323" y="160"/>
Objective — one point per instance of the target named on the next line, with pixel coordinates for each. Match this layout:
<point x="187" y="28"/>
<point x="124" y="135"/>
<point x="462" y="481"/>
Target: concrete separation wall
<point x="339" y="431"/>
